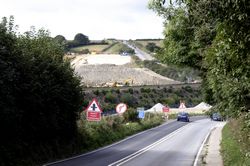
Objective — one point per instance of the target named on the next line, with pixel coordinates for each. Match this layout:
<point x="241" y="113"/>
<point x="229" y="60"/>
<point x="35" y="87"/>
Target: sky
<point x="98" y="19"/>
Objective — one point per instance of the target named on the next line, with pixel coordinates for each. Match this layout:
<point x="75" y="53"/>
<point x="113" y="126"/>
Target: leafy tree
<point x="218" y="43"/>
<point x="109" y="97"/>
<point x="128" y="99"/>
<point x="81" y="39"/>
<point x="152" y="47"/>
<point x="60" y="39"/>
<point x="39" y="96"/>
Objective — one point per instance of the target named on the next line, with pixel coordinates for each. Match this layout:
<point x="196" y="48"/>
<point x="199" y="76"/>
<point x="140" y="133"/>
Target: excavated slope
<point x="99" y="75"/>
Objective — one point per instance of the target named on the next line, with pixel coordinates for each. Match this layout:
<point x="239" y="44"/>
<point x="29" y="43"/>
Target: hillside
<point x="144" y="96"/>
<point x="101" y="75"/>
<point x="142" y="44"/>
<point x="107" y="47"/>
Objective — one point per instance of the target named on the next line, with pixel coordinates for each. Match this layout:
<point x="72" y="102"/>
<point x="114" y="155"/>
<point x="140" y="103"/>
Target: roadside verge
<point x="210" y="151"/>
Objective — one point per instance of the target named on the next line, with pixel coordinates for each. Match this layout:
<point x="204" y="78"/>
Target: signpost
<point x="94" y="111"/>
<point x="165" y="109"/>
<point x="121" y="108"/>
<point x="141" y="113"/>
<point x="182" y="105"/>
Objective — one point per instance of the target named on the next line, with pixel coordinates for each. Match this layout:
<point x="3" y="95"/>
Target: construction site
<point x="114" y="71"/>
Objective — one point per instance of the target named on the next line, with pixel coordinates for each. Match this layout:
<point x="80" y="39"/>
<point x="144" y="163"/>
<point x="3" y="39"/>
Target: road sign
<point x="121" y="108"/>
<point x="140" y="109"/>
<point x="182" y="105"/>
<point x="165" y="109"/>
<point x="93" y="116"/>
<point x="141" y="114"/>
<point x="94" y="111"/>
<point x="94" y="106"/>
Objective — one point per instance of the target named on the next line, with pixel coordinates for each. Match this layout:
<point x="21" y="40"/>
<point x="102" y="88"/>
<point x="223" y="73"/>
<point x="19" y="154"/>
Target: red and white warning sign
<point x="94" y="111"/>
<point x="165" y="109"/>
<point x="121" y="108"/>
<point x="182" y="105"/>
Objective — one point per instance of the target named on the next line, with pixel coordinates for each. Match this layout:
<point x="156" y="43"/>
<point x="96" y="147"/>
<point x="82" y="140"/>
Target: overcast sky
<point x="98" y="19"/>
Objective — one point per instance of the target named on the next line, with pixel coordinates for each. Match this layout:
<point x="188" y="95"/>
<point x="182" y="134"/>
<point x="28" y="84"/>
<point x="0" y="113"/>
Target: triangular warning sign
<point x="94" y="106"/>
<point x="182" y="105"/>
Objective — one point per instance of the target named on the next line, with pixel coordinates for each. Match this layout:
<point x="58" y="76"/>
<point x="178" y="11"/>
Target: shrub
<point x="131" y="115"/>
<point x="96" y="92"/>
<point x="40" y="96"/>
<point x="110" y="98"/>
<point x="128" y="99"/>
<point x="104" y="92"/>
<point x="131" y="91"/>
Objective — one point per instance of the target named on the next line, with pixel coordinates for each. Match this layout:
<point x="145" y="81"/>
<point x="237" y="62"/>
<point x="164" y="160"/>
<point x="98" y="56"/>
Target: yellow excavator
<point x="129" y="82"/>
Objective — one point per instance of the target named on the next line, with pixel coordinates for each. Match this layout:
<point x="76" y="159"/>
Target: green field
<point x="91" y="48"/>
<point x="116" y="48"/>
<point x="142" y="43"/>
<point x="113" y="47"/>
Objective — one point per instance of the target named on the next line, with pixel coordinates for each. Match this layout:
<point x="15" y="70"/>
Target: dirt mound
<point x="203" y="105"/>
<point x="99" y="75"/>
<point x="156" y="108"/>
<point x="100" y="59"/>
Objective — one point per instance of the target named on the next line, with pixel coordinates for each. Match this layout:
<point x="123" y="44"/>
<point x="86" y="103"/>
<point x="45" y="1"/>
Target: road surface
<point x="138" y="52"/>
<point x="174" y="143"/>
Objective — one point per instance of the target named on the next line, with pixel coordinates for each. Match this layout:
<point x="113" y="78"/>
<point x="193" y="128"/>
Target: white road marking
<point x="106" y="147"/>
<point x="201" y="147"/>
<point x="139" y="152"/>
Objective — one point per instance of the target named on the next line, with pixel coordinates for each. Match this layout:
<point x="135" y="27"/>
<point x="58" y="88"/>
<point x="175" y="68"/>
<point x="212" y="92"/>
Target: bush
<point x="131" y="91"/>
<point x="128" y="99"/>
<point x="131" y="115"/>
<point x="96" y="92"/>
<point x="118" y="91"/>
<point x="235" y="143"/>
<point x="110" y="98"/>
<point x="40" y="96"/>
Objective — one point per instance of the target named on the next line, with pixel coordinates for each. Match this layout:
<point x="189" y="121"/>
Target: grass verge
<point x="234" y="147"/>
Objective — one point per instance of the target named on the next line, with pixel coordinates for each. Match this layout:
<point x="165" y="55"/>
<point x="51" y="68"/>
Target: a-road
<point x="173" y="143"/>
<point x="138" y="52"/>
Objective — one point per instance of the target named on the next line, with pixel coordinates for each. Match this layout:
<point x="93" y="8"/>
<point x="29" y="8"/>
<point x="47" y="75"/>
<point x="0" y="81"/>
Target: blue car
<point x="183" y="116"/>
<point x="216" y="117"/>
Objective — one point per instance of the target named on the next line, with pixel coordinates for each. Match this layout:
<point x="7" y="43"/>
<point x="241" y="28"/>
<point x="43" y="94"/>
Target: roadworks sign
<point x="121" y="108"/>
<point x="94" y="111"/>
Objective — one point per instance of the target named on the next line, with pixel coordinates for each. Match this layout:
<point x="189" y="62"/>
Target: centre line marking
<point x="143" y="150"/>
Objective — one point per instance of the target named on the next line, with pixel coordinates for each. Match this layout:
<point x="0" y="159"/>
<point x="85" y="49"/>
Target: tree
<point x="219" y="43"/>
<point x="60" y="39"/>
<point x="110" y="98"/>
<point x="39" y="95"/>
<point x="128" y="99"/>
<point x="152" y="47"/>
<point x="81" y="39"/>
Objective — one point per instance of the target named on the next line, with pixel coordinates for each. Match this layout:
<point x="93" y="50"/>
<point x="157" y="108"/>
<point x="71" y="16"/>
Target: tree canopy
<point x="212" y="36"/>
<point x="39" y="95"/>
<point x="60" y="39"/>
<point x="81" y="39"/>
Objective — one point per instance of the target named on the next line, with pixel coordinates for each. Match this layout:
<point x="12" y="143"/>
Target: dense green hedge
<point x="39" y="97"/>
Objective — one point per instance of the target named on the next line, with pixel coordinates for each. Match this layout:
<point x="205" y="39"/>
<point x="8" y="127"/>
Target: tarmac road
<point x="173" y="143"/>
<point x="138" y="52"/>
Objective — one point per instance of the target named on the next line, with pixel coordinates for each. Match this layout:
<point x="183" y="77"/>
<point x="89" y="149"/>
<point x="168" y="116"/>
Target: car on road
<point x="216" y="116"/>
<point x="183" y="116"/>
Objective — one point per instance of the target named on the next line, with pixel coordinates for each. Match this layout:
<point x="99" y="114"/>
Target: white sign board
<point x="121" y="108"/>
